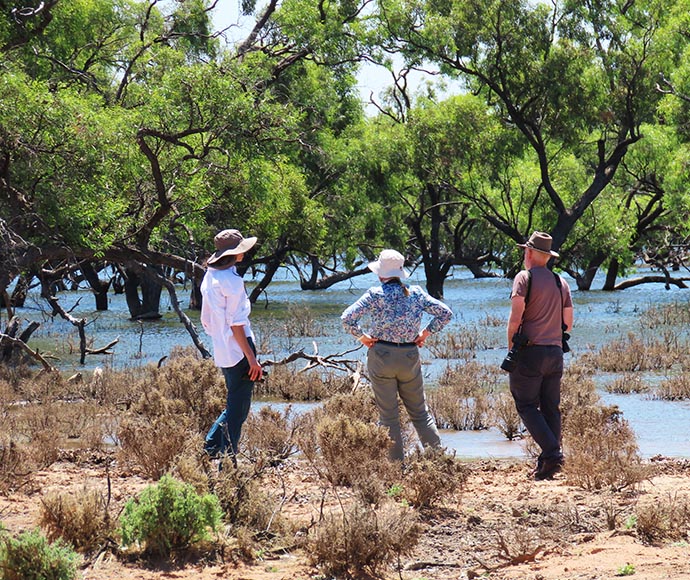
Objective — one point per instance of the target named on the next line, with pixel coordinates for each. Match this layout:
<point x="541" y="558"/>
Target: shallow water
<point x="661" y="426"/>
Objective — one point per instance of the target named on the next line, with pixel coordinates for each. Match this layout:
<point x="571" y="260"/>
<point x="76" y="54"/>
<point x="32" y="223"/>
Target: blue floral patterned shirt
<point x="392" y="316"/>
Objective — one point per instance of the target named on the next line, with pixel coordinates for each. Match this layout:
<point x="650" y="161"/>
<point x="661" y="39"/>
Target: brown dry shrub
<point x="601" y="450"/>
<point x="504" y="415"/>
<point x="358" y="404"/>
<point x="363" y="540"/>
<point x="192" y="465"/>
<point x="461" y="344"/>
<point x="663" y="518"/>
<point x="635" y="353"/>
<point x="14" y="465"/>
<point x="151" y="444"/>
<point x="247" y="502"/>
<point x="352" y="449"/>
<point x="287" y="384"/>
<point x="676" y="388"/>
<point x="626" y="384"/>
<point x="461" y="399"/>
<point x="270" y="435"/>
<point x="673" y="314"/>
<point x="82" y="519"/>
<point x="430" y="476"/>
<point x="578" y="390"/>
<point x="186" y="385"/>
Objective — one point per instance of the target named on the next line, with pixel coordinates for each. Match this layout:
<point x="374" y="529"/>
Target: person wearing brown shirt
<point x="541" y="311"/>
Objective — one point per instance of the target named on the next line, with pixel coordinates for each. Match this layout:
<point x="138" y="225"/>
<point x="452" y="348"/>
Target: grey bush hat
<point x="230" y="243"/>
<point x="540" y="242"/>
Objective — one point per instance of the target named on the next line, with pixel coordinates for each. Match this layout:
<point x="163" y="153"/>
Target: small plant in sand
<point x="627" y="570"/>
<point x="363" y="541"/>
<point x="431" y="475"/>
<point x="82" y="519"/>
<point x="601" y="450"/>
<point x="169" y="516"/>
<point x="665" y="518"/>
<point x="30" y="556"/>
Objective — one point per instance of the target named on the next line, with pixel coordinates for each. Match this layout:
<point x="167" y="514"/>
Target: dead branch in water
<point x="331" y="361"/>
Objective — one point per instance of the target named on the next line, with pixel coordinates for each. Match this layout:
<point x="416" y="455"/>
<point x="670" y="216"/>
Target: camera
<point x="566" y="338"/>
<point x="510" y="361"/>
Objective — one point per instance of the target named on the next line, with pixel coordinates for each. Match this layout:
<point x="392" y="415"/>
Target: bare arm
<point x="255" y="370"/>
<point x="516" y="311"/>
<point x="568" y="317"/>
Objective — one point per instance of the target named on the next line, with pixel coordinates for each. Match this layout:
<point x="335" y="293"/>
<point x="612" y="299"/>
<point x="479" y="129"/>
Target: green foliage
<point x="30" y="556"/>
<point x="169" y="516"/>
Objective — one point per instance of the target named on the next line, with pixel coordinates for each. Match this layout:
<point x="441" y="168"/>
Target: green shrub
<point x="31" y="557"/>
<point x="168" y="516"/>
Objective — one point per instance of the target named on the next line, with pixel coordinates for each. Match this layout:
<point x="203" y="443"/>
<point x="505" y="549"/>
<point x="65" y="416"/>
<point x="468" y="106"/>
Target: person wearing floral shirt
<point x="392" y="315"/>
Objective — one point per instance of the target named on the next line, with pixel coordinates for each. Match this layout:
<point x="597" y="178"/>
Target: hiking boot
<point x="549" y="468"/>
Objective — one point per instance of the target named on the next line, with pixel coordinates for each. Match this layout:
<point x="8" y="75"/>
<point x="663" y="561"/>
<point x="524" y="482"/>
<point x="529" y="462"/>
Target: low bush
<point x="363" y="541"/>
<point x="168" y="516"/>
<point x="270" y="435"/>
<point x="461" y="399"/>
<point x="504" y="416"/>
<point x="151" y="444"/>
<point x="431" y="475"/>
<point x="81" y="519"/>
<point x="626" y="384"/>
<point x="601" y="450"/>
<point x="635" y="353"/>
<point x="351" y="448"/>
<point x="676" y="388"/>
<point x="30" y="556"/>
<point x="660" y="519"/>
<point x="461" y="344"/>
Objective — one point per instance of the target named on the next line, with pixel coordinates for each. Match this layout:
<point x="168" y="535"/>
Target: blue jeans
<point x="536" y="388"/>
<point x="225" y="431"/>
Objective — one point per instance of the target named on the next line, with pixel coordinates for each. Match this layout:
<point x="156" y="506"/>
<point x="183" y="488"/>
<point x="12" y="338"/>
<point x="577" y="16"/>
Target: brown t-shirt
<point x="541" y="322"/>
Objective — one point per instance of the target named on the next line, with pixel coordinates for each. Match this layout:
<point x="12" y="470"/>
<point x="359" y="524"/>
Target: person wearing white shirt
<point x="225" y="310"/>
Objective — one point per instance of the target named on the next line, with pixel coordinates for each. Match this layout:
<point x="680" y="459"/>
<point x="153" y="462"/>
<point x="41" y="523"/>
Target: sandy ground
<point x="501" y="525"/>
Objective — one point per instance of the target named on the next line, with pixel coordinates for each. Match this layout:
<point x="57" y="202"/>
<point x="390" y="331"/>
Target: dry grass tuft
<point x="270" y="435"/>
<point x="461" y="399"/>
<point x="626" y="384"/>
<point x="461" y="344"/>
<point x="151" y="444"/>
<point x="287" y="384"/>
<point x="663" y="519"/>
<point x="81" y="519"/>
<point x="504" y="416"/>
<point x="363" y="541"/>
<point x="601" y="449"/>
<point x="351" y="449"/>
<point x="634" y="353"/>
<point x="430" y="476"/>
<point x="676" y="388"/>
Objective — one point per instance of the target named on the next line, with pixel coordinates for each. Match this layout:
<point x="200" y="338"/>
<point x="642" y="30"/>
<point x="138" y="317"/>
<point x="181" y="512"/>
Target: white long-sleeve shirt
<point x="224" y="304"/>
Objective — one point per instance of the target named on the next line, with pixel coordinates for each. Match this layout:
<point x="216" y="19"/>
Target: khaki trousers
<point x="397" y="371"/>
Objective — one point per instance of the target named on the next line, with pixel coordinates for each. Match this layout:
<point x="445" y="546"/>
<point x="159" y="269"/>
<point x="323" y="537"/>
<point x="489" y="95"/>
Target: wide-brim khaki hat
<point x="540" y="242"/>
<point x="230" y="243"/>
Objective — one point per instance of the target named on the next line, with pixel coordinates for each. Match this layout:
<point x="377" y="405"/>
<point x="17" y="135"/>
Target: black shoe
<point x="549" y="468"/>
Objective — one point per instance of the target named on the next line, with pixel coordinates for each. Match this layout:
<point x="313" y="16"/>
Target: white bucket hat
<point x="389" y="265"/>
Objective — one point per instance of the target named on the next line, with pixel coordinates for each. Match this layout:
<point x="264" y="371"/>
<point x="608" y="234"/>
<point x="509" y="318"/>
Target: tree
<point x="573" y="78"/>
